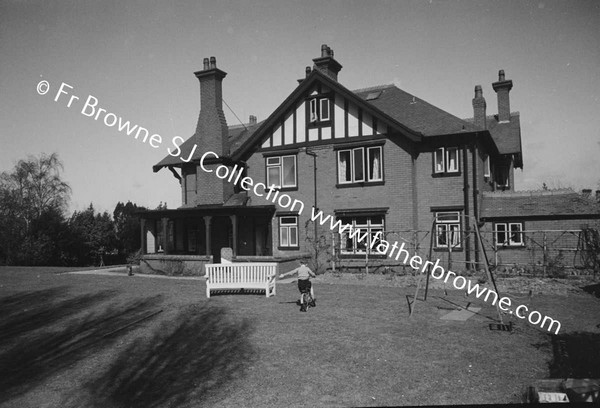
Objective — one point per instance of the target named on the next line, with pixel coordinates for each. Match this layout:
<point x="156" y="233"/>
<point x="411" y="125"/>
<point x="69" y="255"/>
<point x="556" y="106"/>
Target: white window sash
<point x="439" y="165"/>
<point x="519" y="233"/>
<point x="452" y="160"/>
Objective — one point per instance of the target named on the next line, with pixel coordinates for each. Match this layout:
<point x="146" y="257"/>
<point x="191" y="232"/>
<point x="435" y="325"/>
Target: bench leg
<point x="207" y="292"/>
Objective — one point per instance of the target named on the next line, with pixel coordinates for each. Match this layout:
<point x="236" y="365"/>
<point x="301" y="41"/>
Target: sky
<point x="137" y="59"/>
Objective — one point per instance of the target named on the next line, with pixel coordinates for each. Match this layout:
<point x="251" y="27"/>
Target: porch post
<point x="207" y="221"/>
<point x="143" y="237"/>
<point x="234" y="227"/>
<point x="165" y="224"/>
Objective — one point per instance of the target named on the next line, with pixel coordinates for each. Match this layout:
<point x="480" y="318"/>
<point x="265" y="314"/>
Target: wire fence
<point x="529" y="252"/>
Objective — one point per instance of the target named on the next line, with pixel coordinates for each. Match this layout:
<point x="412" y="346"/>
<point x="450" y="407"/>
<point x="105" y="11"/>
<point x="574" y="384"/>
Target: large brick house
<point x="379" y="159"/>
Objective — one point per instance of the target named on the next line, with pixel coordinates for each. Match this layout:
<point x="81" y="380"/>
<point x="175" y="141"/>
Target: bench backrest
<point x="251" y="272"/>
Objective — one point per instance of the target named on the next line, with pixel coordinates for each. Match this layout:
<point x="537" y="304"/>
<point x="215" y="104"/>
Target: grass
<point x="116" y="341"/>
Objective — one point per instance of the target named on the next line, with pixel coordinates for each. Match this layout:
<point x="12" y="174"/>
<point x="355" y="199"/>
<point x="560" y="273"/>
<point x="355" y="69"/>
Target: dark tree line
<point x="34" y="229"/>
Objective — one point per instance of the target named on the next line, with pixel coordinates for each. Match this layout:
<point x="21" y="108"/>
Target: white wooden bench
<point x="250" y="275"/>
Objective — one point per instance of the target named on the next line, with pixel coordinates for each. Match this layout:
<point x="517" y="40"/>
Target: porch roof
<point x="209" y="210"/>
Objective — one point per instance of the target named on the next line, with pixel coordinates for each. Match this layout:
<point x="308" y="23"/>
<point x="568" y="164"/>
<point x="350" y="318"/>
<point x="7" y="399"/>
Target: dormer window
<point x="319" y="110"/>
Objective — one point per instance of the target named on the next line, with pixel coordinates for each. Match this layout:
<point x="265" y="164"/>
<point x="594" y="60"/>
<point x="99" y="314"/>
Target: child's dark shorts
<point x="304" y="285"/>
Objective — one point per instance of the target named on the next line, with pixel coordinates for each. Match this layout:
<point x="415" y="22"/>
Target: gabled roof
<point x="417" y="114"/>
<point x="403" y="112"/>
<point x="538" y="204"/>
<point x="314" y="77"/>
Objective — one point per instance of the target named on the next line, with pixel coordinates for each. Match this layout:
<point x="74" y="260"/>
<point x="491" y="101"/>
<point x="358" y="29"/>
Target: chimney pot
<point x="308" y="71"/>
<point x="501" y="75"/>
<point x="324" y="50"/>
<point x="206" y="64"/>
<point x="478" y="91"/>
<point x="213" y="62"/>
<point x="326" y="64"/>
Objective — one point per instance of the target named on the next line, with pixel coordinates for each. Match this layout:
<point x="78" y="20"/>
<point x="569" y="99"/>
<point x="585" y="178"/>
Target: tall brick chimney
<point x="479" y="106"/>
<point x="326" y="64"/>
<point x="502" y="88"/>
<point x="211" y="135"/>
<point x="211" y="131"/>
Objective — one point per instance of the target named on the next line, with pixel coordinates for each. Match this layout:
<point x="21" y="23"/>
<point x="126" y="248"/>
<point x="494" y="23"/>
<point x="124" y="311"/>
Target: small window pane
<point x="313" y="110"/>
<point x="375" y="163"/>
<point x="289" y="171"/>
<point x="362" y="245"/>
<point x="344" y="166"/>
<point x="284" y="236"/>
<point x="288" y="220"/>
<point x="359" y="174"/>
<point x="273" y="161"/>
<point x="361" y="220"/>
<point x="347" y="244"/>
<point x="501" y="234"/>
<point x="454" y="234"/>
<point x="293" y="236"/>
<point x="447" y="217"/>
<point x="439" y="160"/>
<point x="516" y="237"/>
<point x="324" y="109"/>
<point x="441" y="236"/>
<point x="377" y="220"/>
<point x="273" y="176"/>
<point x="452" y="160"/>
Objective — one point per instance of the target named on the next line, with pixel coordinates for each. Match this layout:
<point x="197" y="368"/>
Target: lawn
<point x="69" y="340"/>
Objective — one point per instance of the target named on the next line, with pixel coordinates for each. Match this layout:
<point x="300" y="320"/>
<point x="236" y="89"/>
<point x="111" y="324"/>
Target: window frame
<point x="315" y="110"/>
<point x="441" y="156"/>
<point x="279" y="164"/>
<point x="365" y="176"/>
<point x="371" y="228"/>
<point x="449" y="228"/>
<point x="286" y="229"/>
<point x="508" y="233"/>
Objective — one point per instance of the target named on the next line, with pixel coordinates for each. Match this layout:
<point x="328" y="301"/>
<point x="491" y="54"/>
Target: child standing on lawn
<point x="304" y="283"/>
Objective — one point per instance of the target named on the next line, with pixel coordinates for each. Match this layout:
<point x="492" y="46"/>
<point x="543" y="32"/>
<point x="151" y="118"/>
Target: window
<point x="509" y="234"/>
<point x="447" y="229"/>
<point x="351" y="165"/>
<point x="288" y="232"/>
<point x="190" y="186"/>
<point x="319" y="110"/>
<point x="281" y="171"/>
<point x="445" y="160"/>
<point x="358" y="240"/>
<point x="487" y="172"/>
<point x="502" y="179"/>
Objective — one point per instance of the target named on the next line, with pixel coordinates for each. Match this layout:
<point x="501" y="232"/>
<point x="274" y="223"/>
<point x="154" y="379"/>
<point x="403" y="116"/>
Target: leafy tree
<point x="36" y="186"/>
<point x="127" y="227"/>
<point x="31" y="194"/>
<point x="92" y="236"/>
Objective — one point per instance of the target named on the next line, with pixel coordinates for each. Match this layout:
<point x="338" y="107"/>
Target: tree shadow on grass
<point x="44" y="353"/>
<point x="199" y="352"/>
<point x="575" y="355"/>
<point x="25" y="312"/>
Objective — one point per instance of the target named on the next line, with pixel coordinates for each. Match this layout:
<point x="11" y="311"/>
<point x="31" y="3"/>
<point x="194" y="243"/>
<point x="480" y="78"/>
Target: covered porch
<point x="202" y="231"/>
